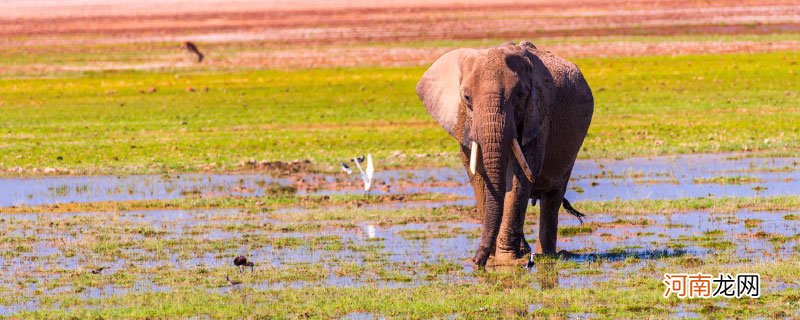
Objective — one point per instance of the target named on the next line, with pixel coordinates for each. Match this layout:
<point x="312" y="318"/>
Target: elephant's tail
<point x="572" y="211"/>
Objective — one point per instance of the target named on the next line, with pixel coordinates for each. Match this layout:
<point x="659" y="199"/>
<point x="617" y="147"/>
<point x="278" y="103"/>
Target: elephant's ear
<point x="533" y="118"/>
<point x="440" y="89"/>
<point x="540" y="85"/>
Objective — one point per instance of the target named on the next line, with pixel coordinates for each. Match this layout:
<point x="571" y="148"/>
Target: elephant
<point x="520" y="115"/>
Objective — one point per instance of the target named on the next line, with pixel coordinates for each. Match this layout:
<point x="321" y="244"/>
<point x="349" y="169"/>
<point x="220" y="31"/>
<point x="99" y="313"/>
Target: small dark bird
<point x="346" y="168"/>
<point x="98" y="270"/>
<point x="189" y="46"/>
<point x="242" y="262"/>
<point x="231" y="282"/>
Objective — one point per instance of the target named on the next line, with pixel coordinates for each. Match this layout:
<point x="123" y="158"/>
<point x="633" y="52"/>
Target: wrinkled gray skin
<point x="492" y="96"/>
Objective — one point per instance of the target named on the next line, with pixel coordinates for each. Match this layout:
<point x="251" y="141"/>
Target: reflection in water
<point x="623" y="255"/>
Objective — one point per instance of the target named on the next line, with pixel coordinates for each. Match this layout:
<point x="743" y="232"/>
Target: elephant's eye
<point x="468" y="101"/>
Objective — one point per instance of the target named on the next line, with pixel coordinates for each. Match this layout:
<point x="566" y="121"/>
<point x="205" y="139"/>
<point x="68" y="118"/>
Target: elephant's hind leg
<point x="548" y="221"/>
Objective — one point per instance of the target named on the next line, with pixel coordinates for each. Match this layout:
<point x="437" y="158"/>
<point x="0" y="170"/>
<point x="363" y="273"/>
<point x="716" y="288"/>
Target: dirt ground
<point x="438" y="21"/>
<point x="336" y="33"/>
<point x="390" y="33"/>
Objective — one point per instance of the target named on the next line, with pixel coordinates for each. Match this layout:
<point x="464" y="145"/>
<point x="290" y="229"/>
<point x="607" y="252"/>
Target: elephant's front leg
<point x="476" y="180"/>
<point x="511" y="236"/>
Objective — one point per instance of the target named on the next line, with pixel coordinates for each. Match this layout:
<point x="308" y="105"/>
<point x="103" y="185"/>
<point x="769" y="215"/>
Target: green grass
<point x="99" y="122"/>
<point x="727" y="180"/>
<point x="569" y="231"/>
<point x="718" y="205"/>
<point x="506" y="294"/>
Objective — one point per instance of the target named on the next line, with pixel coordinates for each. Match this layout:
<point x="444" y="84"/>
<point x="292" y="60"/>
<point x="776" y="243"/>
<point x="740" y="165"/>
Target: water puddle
<point x="720" y="175"/>
<point x="684" y="176"/>
<point x="361" y="316"/>
<point x="683" y="312"/>
<point x="66" y="189"/>
<point x="534" y="307"/>
<point x="668" y="177"/>
<point x="59" y="248"/>
<point x="45" y="254"/>
<point x="8" y="310"/>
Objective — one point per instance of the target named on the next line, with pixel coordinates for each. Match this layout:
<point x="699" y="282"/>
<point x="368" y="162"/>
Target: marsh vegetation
<point x="133" y="176"/>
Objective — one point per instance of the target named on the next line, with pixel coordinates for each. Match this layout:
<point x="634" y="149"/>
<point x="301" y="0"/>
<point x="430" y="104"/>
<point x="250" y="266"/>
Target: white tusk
<point x="521" y="159"/>
<point x="473" y="157"/>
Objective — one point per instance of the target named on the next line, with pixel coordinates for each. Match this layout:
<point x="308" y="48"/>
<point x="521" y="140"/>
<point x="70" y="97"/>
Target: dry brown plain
<point x="282" y="34"/>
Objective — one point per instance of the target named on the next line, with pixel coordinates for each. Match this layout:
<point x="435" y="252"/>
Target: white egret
<point x="365" y="175"/>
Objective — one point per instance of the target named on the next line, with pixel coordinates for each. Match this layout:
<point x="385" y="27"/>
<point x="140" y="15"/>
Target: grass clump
<point x="727" y="180"/>
<point x="570" y="231"/>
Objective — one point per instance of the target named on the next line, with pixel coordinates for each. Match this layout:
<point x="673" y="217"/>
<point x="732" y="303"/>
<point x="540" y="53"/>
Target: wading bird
<point x="242" y="262"/>
<point x="366" y="175"/>
<point x="189" y="46"/>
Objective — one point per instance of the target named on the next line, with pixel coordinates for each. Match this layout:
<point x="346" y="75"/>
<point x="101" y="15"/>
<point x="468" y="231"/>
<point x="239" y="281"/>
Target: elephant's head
<point x="487" y="100"/>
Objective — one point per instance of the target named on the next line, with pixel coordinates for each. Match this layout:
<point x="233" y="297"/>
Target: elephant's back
<point x="570" y="87"/>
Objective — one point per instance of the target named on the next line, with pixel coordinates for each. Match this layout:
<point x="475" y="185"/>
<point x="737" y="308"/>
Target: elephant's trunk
<point x="494" y="138"/>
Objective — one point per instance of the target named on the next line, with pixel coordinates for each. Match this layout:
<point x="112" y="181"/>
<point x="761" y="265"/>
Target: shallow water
<point x="399" y="249"/>
<point x="668" y="177"/>
<point x="683" y="312"/>
<point x="50" y="190"/>
<point x="8" y="310"/>
<point x="441" y="240"/>
<point x="673" y="177"/>
<point x="361" y="316"/>
<point x="54" y="245"/>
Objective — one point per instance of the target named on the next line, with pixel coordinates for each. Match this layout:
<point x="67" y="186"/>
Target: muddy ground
<point x="276" y="35"/>
<point x="394" y="243"/>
